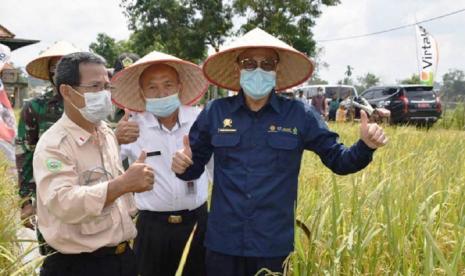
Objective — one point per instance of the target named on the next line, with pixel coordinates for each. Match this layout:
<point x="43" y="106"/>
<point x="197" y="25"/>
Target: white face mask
<point x="98" y="106"/>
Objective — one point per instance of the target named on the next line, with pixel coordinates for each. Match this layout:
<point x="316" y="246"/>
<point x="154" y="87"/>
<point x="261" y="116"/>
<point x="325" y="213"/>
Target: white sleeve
<point x="210" y="169"/>
<point x="125" y="151"/>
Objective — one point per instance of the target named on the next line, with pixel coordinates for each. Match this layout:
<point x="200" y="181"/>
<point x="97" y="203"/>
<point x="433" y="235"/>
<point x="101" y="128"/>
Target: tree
<point x="216" y="21"/>
<point x="182" y="28"/>
<point x="453" y="88"/>
<point x="106" y="47"/>
<point x="110" y="49"/>
<point x="367" y="81"/>
<point x="414" y="79"/>
<point x="289" y="20"/>
<point x="315" y="80"/>
<point x="347" y="79"/>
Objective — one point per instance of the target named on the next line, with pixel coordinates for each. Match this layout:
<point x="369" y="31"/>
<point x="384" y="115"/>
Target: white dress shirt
<point x="169" y="193"/>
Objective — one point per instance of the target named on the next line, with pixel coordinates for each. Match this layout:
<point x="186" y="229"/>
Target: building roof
<point x="5" y="33"/>
<point x="8" y="38"/>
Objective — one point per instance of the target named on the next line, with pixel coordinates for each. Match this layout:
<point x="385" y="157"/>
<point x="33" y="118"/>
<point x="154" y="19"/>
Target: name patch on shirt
<point x="153" y="153"/>
<point x="291" y="130"/>
<point x="227" y="126"/>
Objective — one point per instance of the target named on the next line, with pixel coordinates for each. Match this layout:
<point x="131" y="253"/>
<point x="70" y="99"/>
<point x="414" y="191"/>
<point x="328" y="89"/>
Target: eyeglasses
<point x="97" y="86"/>
<point x="251" y="64"/>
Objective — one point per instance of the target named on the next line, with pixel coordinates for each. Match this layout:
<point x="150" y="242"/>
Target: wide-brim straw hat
<point x="127" y="92"/>
<point x="39" y="67"/>
<point x="294" y="67"/>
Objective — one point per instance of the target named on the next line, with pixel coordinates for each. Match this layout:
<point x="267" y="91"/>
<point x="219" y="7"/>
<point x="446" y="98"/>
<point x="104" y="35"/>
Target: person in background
<point x="319" y="102"/>
<point x="84" y="199"/>
<point x="163" y="88"/>
<point x="123" y="61"/>
<point x="341" y="113"/>
<point x="333" y="107"/>
<point x="301" y="97"/>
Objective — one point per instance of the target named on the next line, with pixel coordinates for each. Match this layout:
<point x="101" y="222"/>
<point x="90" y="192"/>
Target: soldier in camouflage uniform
<point x="37" y="116"/>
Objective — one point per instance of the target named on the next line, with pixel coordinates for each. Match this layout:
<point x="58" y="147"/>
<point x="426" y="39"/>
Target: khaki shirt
<point x="69" y="169"/>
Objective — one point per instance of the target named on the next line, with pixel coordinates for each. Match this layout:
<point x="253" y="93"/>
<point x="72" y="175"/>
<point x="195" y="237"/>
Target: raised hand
<point x="126" y="132"/>
<point x="371" y="133"/>
<point x="183" y="158"/>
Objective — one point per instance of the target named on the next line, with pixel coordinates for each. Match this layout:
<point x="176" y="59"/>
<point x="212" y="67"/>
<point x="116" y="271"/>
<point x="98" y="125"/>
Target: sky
<point x="391" y="56"/>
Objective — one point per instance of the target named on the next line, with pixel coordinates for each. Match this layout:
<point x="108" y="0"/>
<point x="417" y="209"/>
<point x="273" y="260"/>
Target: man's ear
<point x="65" y="91"/>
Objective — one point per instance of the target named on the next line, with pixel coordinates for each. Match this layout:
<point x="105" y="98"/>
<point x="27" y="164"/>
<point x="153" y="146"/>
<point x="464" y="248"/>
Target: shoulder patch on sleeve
<point x="53" y="165"/>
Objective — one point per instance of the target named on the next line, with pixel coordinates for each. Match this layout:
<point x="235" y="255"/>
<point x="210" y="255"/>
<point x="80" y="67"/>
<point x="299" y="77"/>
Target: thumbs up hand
<point x="371" y="133"/>
<point x="183" y="158"/>
<point x="139" y="177"/>
<point x="126" y="132"/>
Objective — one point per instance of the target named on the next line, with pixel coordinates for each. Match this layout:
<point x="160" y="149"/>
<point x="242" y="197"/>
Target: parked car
<point x="415" y="104"/>
<point x="341" y="91"/>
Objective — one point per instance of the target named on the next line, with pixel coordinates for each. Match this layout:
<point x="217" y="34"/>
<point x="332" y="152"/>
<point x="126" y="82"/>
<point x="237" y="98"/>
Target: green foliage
<point x="106" y="47"/>
<point x="317" y="80"/>
<point x="452" y="118"/>
<point x="182" y="28"/>
<point x="414" y="79"/>
<point x="289" y="20"/>
<point x="366" y="81"/>
<point x="12" y="254"/>
<point x="453" y="88"/>
<point x="185" y="28"/>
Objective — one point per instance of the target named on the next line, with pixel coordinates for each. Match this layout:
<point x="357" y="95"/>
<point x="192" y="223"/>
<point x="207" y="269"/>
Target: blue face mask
<point x="162" y="107"/>
<point x="257" y="83"/>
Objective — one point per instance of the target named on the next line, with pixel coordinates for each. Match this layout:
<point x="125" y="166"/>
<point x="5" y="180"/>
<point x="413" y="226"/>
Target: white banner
<point x="4" y="55"/>
<point x="428" y="55"/>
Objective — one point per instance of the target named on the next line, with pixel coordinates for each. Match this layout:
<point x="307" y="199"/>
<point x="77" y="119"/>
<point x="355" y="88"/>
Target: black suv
<point x="416" y="104"/>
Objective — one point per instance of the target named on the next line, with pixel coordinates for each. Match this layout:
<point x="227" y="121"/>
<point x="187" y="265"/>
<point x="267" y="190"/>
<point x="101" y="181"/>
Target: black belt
<point x="103" y="251"/>
<point x="176" y="217"/>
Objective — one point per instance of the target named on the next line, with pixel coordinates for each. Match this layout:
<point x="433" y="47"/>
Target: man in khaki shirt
<point x="84" y="200"/>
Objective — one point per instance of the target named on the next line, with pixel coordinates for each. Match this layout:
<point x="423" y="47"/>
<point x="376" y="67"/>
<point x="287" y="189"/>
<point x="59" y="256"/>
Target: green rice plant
<point x="12" y="256"/>
<point x="402" y="215"/>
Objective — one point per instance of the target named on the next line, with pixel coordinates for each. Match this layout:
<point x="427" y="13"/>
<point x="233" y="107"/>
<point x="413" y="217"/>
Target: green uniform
<point x="36" y="117"/>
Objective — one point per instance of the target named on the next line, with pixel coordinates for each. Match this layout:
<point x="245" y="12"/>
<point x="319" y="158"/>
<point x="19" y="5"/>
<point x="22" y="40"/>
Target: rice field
<point x="403" y="215"/>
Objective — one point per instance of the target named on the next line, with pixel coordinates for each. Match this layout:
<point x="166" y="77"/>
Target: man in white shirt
<point x="163" y="87"/>
<point x="302" y="98"/>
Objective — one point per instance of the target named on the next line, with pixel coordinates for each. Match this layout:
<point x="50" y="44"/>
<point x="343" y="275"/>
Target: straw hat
<point x="293" y="67"/>
<point x="127" y="92"/>
<point x="38" y="68"/>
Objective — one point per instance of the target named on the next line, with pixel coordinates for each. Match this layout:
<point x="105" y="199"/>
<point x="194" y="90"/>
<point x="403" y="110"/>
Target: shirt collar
<point x="273" y="101"/>
<point x="78" y="134"/>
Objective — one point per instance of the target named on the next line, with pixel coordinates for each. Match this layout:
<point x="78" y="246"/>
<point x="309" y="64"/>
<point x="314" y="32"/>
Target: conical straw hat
<point x="294" y="67"/>
<point x="38" y="68"/>
<point x="127" y="92"/>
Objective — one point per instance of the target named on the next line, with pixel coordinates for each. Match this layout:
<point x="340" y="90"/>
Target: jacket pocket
<point x="287" y="149"/>
<point x="224" y="147"/>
